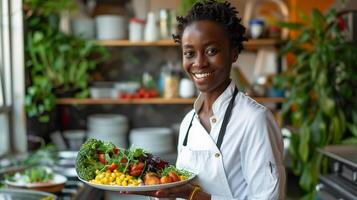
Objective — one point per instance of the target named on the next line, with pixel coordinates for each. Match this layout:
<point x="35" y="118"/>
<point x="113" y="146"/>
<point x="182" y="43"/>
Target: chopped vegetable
<point x="103" y="163"/>
<point x="38" y="174"/>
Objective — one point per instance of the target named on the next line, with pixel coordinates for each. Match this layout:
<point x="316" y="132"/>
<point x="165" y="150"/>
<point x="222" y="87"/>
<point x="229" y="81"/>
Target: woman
<point x="229" y="140"/>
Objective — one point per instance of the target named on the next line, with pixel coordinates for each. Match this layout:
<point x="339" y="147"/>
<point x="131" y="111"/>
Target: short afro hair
<point x="221" y="13"/>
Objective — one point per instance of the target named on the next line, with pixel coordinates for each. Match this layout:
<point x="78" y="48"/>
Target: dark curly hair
<point x="221" y="13"/>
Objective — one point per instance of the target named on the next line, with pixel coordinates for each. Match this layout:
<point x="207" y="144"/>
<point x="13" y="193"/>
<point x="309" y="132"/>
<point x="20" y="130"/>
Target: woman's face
<point x="207" y="55"/>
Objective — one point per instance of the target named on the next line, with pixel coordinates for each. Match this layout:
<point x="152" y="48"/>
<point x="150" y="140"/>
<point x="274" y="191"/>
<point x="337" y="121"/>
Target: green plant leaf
<point x="291" y="26"/>
<point x="350" y="141"/>
<point x="327" y="105"/>
<point x="304" y="142"/>
<point x="306" y="178"/>
<point x="318" y="21"/>
<point x="352" y="128"/>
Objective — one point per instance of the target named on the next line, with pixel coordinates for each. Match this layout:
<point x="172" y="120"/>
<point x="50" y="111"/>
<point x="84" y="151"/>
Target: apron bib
<point x="208" y="164"/>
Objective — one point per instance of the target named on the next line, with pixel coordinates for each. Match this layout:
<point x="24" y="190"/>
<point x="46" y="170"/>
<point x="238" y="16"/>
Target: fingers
<point x="161" y="193"/>
<point x="144" y="193"/>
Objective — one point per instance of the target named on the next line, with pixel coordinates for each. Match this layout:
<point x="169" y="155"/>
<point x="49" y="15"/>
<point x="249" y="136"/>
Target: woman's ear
<point x="234" y="55"/>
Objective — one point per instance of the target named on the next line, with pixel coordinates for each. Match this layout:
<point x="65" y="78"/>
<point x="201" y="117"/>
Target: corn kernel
<point x="124" y="183"/>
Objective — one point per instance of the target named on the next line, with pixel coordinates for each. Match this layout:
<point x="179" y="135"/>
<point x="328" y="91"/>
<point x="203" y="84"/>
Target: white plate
<point x="58" y="179"/>
<point x="138" y="188"/>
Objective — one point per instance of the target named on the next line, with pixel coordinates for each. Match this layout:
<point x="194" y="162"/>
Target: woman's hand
<point x="182" y="191"/>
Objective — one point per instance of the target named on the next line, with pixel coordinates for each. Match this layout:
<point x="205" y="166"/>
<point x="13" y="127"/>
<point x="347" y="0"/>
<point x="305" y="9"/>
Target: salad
<point x="37" y="174"/>
<point x="103" y="163"/>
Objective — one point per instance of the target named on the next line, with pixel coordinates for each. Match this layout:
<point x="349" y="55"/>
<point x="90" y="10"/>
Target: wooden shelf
<point x="259" y="43"/>
<point x="250" y="45"/>
<point x="89" y="101"/>
<point x="139" y="43"/>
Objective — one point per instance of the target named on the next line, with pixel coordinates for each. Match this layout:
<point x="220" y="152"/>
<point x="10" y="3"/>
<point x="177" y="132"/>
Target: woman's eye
<point x="188" y="54"/>
<point x="211" y="51"/>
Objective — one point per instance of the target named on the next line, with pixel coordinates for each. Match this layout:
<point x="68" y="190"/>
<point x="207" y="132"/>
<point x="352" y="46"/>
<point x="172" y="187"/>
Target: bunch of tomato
<point x="141" y="93"/>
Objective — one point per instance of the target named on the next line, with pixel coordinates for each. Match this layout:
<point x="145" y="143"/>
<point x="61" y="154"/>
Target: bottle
<point x="171" y="82"/>
<point x="151" y="32"/>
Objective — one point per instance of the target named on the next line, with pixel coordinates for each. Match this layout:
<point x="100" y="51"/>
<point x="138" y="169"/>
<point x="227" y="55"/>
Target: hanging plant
<point x="321" y="103"/>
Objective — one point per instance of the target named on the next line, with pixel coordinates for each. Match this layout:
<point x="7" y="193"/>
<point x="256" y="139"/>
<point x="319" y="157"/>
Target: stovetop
<point x="346" y="154"/>
<point x="341" y="182"/>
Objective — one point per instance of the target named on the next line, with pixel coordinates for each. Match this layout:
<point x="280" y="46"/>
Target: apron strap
<point x="226" y="118"/>
<point x="188" y="130"/>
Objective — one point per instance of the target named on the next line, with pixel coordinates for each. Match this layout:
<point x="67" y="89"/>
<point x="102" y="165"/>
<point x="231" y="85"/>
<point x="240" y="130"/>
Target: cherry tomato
<point x="101" y="158"/>
<point x="151" y="179"/>
<point x="124" y="95"/>
<point x="166" y="179"/>
<point x="137" y="166"/>
<point x="124" y="160"/>
<point x="135" y="172"/>
<point x="174" y="176"/>
<point x="112" y="167"/>
<point x="136" y="95"/>
<point x="153" y="93"/>
<point x="116" y="150"/>
<point x="141" y="91"/>
<point x="136" y="169"/>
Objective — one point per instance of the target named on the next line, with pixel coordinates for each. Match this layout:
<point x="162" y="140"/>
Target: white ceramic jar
<point x="256" y="27"/>
<point x="110" y="27"/>
<point x="186" y="88"/>
<point x="83" y="27"/>
<point x="136" y="29"/>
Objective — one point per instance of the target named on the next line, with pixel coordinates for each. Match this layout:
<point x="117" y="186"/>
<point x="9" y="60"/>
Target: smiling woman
<point x="229" y="140"/>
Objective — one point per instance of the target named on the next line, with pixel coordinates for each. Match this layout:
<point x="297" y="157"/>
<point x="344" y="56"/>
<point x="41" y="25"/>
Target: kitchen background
<point x="108" y="69"/>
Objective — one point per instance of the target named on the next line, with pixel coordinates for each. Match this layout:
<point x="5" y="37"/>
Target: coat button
<point x="216" y="155"/>
<point x="214" y="120"/>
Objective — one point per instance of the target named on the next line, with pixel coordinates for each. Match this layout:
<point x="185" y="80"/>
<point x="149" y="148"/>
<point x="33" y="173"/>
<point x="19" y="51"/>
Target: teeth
<point x="202" y="75"/>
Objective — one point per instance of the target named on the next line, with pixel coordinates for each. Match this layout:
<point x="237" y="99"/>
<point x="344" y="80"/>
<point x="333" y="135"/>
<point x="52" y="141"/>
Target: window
<point x="4" y="106"/>
<point x="12" y="115"/>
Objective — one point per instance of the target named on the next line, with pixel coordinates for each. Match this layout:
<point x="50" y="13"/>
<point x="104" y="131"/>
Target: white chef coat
<point x="252" y="148"/>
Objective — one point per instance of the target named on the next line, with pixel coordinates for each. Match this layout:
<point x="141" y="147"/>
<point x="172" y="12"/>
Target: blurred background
<point x="109" y="69"/>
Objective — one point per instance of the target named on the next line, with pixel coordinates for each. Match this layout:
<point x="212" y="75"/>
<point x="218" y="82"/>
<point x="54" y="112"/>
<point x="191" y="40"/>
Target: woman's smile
<point x="200" y="75"/>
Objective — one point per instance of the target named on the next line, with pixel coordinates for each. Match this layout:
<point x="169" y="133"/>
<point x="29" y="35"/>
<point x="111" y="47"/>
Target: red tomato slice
<point x="166" y="179"/>
<point x="101" y="158"/>
<point x="112" y="167"/>
<point x="174" y="176"/>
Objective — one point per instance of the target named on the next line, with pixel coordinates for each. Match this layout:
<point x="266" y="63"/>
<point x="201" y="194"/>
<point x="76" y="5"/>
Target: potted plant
<point x="58" y="64"/>
<point x="321" y="102"/>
